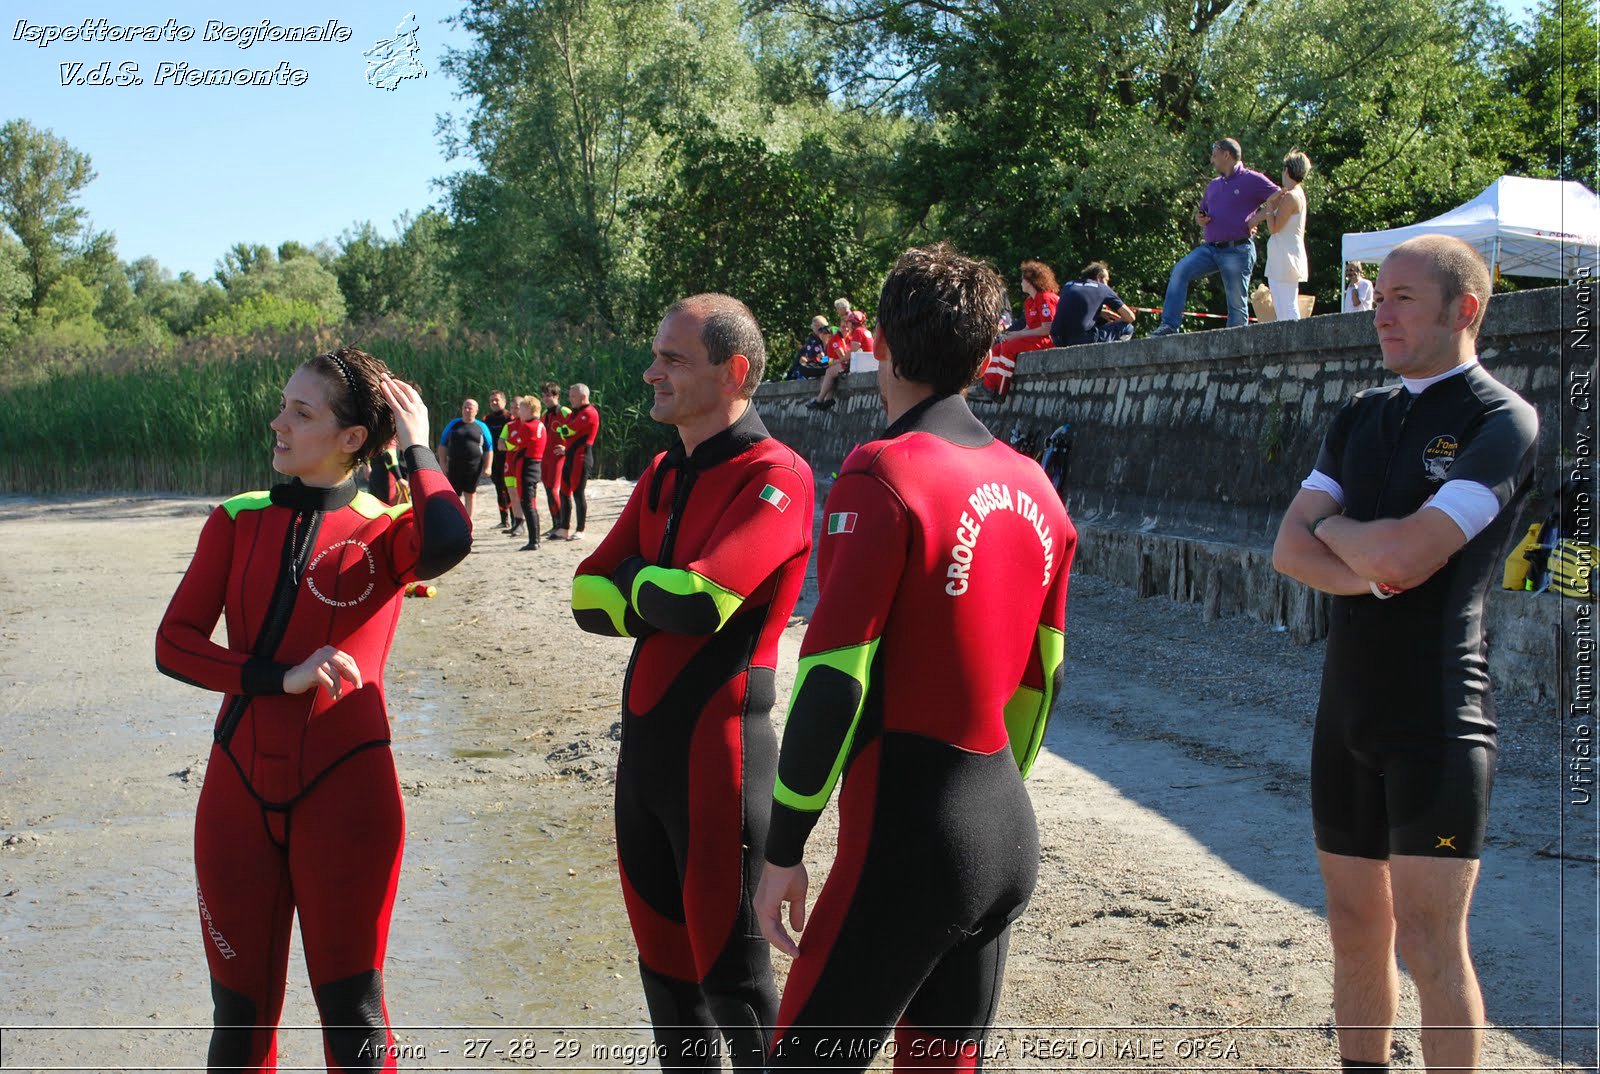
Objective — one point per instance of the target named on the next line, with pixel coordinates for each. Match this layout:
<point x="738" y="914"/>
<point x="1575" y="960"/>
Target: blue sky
<point x="185" y="172"/>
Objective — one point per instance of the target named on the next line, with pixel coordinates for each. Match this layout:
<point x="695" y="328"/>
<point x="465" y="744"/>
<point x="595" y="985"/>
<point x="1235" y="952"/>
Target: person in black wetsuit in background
<point x="1404" y="520"/>
<point x="926" y="678"/>
<point x="497" y="419"/>
<point x="703" y="568"/>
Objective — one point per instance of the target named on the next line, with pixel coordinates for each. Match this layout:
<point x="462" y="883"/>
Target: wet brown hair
<point x="354" y="398"/>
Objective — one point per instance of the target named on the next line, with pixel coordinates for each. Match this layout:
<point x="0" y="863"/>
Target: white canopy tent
<point x="1523" y="227"/>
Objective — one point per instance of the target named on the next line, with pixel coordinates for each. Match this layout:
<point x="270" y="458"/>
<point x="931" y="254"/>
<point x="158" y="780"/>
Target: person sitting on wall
<point x="1038" y="311"/>
<point x="812" y="359"/>
<point x="1090" y="311"/>
<point x="851" y="338"/>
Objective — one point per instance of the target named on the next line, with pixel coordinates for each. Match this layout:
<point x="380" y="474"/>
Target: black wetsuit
<point x="925" y="680"/>
<point x="497" y="420"/>
<point x="703" y="567"/>
<point x="1403" y="753"/>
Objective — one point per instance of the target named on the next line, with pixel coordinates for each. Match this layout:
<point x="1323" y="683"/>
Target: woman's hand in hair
<point x="410" y="413"/>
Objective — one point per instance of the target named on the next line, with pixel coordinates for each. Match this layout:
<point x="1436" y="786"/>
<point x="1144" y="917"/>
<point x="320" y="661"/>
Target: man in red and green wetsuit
<point x="925" y="679"/>
<point x="554" y="418"/>
<point x="703" y="568"/>
<point x="579" y="429"/>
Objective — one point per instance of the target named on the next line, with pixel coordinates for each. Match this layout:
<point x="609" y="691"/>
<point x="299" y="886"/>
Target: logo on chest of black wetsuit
<point x="1438" y="455"/>
<point x="326" y="576"/>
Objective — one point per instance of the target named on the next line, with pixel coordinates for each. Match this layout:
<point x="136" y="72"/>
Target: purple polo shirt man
<point x="1229" y="247"/>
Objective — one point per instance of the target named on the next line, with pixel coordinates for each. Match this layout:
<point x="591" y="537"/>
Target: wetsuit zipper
<point x="303" y="527"/>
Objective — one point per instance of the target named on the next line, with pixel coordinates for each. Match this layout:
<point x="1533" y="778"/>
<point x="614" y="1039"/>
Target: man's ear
<point x="738" y="368"/>
<point x="1466" y="309"/>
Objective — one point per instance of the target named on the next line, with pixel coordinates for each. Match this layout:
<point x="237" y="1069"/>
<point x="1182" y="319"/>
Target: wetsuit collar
<point x="746" y="432"/>
<point x="1418" y="385"/>
<point x="945" y="416"/>
<point x="299" y="496"/>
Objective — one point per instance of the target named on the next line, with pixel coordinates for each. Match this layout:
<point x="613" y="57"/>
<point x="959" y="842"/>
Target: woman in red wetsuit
<point x="301" y="807"/>
<point x="1038" y="310"/>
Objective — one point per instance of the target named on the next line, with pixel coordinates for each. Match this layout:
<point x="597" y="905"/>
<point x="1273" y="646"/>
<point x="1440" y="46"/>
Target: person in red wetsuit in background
<point x="525" y="437"/>
<point x="301" y="809"/>
<point x="554" y="416"/>
<point x="703" y="568"/>
<point x="926" y="677"/>
<point x="579" y="430"/>
<point x="1038" y="311"/>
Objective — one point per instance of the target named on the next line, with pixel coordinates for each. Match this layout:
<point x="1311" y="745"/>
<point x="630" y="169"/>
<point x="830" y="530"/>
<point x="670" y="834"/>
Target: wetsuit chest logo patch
<point x="1438" y="455"/>
<point x="325" y="576"/>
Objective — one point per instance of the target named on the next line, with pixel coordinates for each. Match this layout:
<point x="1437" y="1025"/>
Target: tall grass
<point x="196" y="422"/>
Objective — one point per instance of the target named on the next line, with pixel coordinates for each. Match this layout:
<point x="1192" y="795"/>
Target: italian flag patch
<point x="775" y="496"/>
<point x="842" y="522"/>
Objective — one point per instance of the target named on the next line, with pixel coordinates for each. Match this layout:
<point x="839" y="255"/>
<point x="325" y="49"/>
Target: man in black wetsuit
<point x="1404" y="519"/>
<point x="703" y="568"/>
<point x="497" y="419"/>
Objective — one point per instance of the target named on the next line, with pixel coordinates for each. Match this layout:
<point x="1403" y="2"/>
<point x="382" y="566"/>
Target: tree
<point x="575" y="102"/>
<point x="1032" y="142"/>
<point x="40" y="175"/>
<point x="1552" y="70"/>
<point x="768" y="228"/>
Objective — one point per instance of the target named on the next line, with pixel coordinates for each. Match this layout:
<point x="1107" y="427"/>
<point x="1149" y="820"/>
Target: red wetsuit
<point x="704" y="567"/>
<point x="926" y="677"/>
<point x="582" y="426"/>
<point x="550" y="462"/>
<point x="1039" y="309"/>
<point x="525" y="442"/>
<point x="301" y="808"/>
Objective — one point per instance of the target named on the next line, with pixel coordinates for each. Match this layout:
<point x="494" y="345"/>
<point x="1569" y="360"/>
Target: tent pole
<point x="1494" y="264"/>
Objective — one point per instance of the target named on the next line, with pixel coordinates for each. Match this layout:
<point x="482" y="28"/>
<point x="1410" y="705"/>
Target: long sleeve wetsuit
<point x="550" y="462"/>
<point x="925" y="680"/>
<point x="582" y="427"/>
<point x="703" y="567"/>
<point x="301" y="807"/>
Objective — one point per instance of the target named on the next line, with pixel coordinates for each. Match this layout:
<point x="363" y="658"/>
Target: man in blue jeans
<point x="1229" y="246"/>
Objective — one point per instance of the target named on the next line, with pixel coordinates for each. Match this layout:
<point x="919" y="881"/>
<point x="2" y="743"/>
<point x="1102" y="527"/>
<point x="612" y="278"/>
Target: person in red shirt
<point x="300" y="814"/>
<point x="1038" y="311"/>
<point x="525" y="439"/>
<point x="851" y="338"/>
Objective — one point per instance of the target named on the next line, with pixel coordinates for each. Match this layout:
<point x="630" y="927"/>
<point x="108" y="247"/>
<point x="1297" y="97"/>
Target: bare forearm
<point x="1303" y="557"/>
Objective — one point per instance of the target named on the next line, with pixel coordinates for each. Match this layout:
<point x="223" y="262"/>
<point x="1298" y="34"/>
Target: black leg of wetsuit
<point x="233" y="1020"/>
<point x="529" y="481"/>
<point x="682" y="1023"/>
<point x="354" y="1030"/>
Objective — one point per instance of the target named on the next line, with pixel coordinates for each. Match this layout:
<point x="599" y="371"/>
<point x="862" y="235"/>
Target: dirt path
<point x="1176" y="922"/>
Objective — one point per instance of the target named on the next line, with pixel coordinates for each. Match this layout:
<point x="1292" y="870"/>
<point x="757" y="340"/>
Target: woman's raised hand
<point x="410" y="413"/>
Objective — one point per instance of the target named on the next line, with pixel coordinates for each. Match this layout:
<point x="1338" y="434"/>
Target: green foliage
<point x="40" y="174"/>
<point x="768" y="228"/>
<point x="406" y="276"/>
<point x="263" y="312"/>
<point x="576" y="106"/>
<point x="197" y="422"/>
<point x="1551" y="74"/>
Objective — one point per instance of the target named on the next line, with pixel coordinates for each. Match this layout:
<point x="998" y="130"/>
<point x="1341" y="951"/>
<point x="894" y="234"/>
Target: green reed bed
<point x="197" y="422"/>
